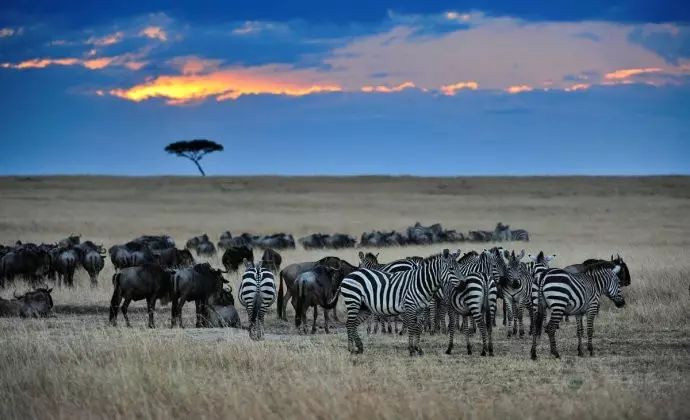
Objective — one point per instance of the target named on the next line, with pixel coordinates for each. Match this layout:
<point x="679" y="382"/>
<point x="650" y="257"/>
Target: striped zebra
<point x="483" y="263"/>
<point x="475" y="298"/>
<point x="519" y="235"/>
<point x="535" y="267"/>
<point x="257" y="293"/>
<point x="370" y="261"/>
<point x="574" y="294"/>
<point x="439" y="307"/>
<point x="515" y="287"/>
<point x="407" y="293"/>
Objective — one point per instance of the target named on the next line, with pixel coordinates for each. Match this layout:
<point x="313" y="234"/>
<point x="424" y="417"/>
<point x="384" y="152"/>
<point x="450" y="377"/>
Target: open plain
<point x="75" y="365"/>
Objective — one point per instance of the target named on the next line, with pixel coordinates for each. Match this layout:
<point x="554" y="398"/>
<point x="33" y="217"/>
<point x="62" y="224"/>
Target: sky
<point x="433" y="88"/>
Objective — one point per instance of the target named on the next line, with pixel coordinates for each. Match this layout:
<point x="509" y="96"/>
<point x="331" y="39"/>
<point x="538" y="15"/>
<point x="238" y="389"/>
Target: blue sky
<point x="440" y="88"/>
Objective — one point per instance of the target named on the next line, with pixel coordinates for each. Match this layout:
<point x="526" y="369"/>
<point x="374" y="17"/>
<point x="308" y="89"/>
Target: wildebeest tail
<point x="115" y="301"/>
<point x="281" y="300"/>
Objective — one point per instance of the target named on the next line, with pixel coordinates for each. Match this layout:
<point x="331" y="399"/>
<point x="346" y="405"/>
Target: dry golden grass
<point x="76" y="366"/>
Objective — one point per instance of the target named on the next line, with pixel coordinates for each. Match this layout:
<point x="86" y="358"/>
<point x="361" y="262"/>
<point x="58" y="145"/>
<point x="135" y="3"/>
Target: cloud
<point x="386" y="89"/>
<point x="452" y="89"/>
<point x="39" y="63"/>
<point x="195" y="65"/>
<point x="228" y="84"/>
<point x="106" y="40"/>
<point x="519" y="89"/>
<point x="131" y="61"/>
<point x="628" y="73"/>
<point x="154" y="32"/>
<point x="254" y="27"/>
<point x="8" y="32"/>
<point x="578" y="86"/>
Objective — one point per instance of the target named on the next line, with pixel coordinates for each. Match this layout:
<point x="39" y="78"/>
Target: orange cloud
<point x="386" y="89"/>
<point x="519" y="89"/>
<point x="97" y="63"/>
<point x="106" y="40"/>
<point x="623" y="74"/>
<point x="222" y="85"/>
<point x="154" y="32"/>
<point x="578" y="86"/>
<point x="39" y="63"/>
<point x="5" y="32"/>
<point x="452" y="89"/>
<point x="135" y="65"/>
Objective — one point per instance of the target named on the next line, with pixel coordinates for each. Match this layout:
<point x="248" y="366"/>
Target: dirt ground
<point x="76" y="366"/>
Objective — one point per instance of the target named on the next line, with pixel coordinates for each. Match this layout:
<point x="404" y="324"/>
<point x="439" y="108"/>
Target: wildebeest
<point x="148" y="281"/>
<point x="381" y="239"/>
<point x="315" y="288"/>
<point x="290" y="273"/>
<point x="67" y="261"/>
<point x="275" y="241"/>
<point x="69" y="241"/>
<point x="93" y="262"/>
<point x="174" y="258"/>
<point x="28" y="261"/>
<point x="156" y="242"/>
<point x="233" y="257"/>
<point x="33" y="304"/>
<point x="313" y="241"/>
<point x="222" y="312"/>
<point x="271" y="260"/>
<point x="197" y="283"/>
<point x="481" y="235"/>
<point x="131" y="254"/>
<point x="206" y="249"/>
<point x="339" y="241"/>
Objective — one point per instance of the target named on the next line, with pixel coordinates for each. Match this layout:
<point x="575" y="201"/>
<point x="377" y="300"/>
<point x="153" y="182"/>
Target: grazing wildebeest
<point x="315" y="288"/>
<point x="93" y="264"/>
<point x="30" y="262"/>
<point x="196" y="283"/>
<point x="276" y="241"/>
<point x="233" y="257"/>
<point x="480" y="235"/>
<point x="174" y="258"/>
<point x="68" y="260"/>
<point x="156" y="242"/>
<point x="33" y="304"/>
<point x="339" y="240"/>
<point x="147" y="281"/>
<point x="222" y="312"/>
<point x="271" y="260"/>
<point x="313" y="241"/>
<point x="225" y="240"/>
<point x="69" y="241"/>
<point x="206" y="249"/>
<point x="290" y="273"/>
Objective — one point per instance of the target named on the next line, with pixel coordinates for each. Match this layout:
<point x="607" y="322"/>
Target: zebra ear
<point x="522" y="255"/>
<point x="550" y="258"/>
<point x="532" y="257"/>
<point x="616" y="269"/>
<point x="446" y="253"/>
<point x="247" y="264"/>
<point x="361" y="255"/>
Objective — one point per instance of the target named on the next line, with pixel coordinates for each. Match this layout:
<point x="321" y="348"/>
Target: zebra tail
<point x="116" y="280"/>
<point x="281" y="301"/>
<point x="540" y="312"/>
<point x="485" y="305"/>
<point x="256" y="307"/>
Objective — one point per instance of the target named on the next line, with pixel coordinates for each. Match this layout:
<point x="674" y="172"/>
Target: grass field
<point x="76" y="366"/>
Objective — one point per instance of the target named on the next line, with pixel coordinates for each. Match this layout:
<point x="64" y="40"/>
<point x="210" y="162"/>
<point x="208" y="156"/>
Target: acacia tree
<point x="194" y="150"/>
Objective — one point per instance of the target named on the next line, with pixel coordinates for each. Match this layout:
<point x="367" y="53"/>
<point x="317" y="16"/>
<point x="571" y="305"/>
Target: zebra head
<point x="450" y="269"/>
<point x="517" y="273"/>
<point x="368" y="260"/>
<point x="612" y="287"/>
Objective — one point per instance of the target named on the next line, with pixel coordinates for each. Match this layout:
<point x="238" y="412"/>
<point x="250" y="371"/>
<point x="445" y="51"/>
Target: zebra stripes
<point x="515" y="287"/>
<point x="535" y="267"/>
<point x="578" y="294"/>
<point x="407" y="293"/>
<point x="257" y="293"/>
<point x="371" y="262"/>
<point x="475" y="298"/>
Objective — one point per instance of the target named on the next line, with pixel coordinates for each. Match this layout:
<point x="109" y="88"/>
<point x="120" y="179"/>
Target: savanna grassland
<point x="75" y="365"/>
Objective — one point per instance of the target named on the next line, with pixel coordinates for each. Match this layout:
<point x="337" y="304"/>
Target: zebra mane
<point x="468" y="256"/>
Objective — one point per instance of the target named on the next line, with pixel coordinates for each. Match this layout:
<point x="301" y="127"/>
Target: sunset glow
<point x="387" y="89"/>
<point x="452" y="89"/>
<point x="519" y="89"/>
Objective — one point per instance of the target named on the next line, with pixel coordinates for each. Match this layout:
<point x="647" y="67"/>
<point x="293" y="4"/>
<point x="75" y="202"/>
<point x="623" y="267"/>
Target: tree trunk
<point x="199" y="167"/>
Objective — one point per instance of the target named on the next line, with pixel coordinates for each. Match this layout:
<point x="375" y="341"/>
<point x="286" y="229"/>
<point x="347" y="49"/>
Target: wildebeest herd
<point x="440" y="293"/>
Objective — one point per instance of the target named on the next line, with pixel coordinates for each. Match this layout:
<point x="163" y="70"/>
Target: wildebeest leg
<point x="125" y="306"/>
<point x="325" y="321"/>
<point x="316" y="314"/>
<point x="173" y="318"/>
<point x="199" y="306"/>
<point x="151" y="306"/>
<point x="288" y="295"/>
<point x="335" y="315"/>
<point x="115" y="306"/>
<point x="94" y="279"/>
<point x="179" y="311"/>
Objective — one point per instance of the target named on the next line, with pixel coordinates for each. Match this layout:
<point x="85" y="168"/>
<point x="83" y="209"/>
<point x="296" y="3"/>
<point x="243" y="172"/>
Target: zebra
<point x="257" y="293"/>
<point x="476" y="298"/>
<point x="515" y="287"/>
<point x="535" y="267"/>
<point x="519" y="235"/>
<point x="370" y="261"/>
<point x="483" y="263"/>
<point x="407" y="293"/>
<point x="574" y="294"/>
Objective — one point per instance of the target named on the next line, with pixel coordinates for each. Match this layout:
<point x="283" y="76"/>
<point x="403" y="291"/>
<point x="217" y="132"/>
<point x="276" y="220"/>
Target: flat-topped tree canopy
<point x="194" y="150"/>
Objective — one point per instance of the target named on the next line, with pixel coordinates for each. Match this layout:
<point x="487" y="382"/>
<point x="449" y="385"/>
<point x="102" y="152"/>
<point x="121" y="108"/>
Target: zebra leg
<point x="520" y="310"/>
<point x="261" y="326"/>
<point x="354" y="342"/>
<point x="551" y="327"/>
<point x="451" y="330"/>
<point x="515" y="310"/>
<point x="590" y="329"/>
<point x="443" y="309"/>
<point x="489" y="332"/>
<point x="508" y="312"/>
<point x="410" y="321"/>
<point x="482" y="330"/>
<point x="466" y="328"/>
<point x="580" y="331"/>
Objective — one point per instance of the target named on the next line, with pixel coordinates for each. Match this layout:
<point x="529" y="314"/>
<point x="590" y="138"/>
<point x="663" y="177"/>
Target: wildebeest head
<point x="185" y="258"/>
<point x="623" y="274"/>
<point x="216" y="275"/>
<point x="36" y="303"/>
